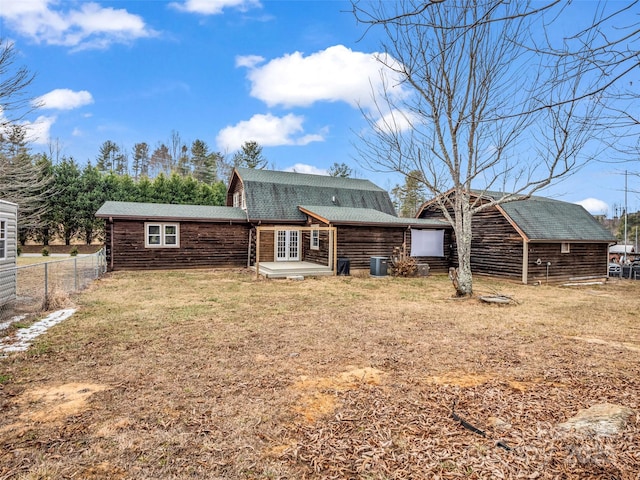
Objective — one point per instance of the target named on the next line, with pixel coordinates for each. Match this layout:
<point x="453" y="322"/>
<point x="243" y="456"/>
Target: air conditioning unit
<point x="378" y="266"/>
<point x="422" y="269"/>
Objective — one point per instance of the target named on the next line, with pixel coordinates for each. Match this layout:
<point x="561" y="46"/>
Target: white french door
<point x="288" y="245"/>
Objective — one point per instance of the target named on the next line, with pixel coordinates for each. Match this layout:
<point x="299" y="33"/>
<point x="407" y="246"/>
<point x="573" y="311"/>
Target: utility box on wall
<point x="378" y="267"/>
<point x="344" y="266"/>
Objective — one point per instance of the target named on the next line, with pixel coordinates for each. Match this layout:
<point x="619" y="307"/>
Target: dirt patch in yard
<point x="214" y="375"/>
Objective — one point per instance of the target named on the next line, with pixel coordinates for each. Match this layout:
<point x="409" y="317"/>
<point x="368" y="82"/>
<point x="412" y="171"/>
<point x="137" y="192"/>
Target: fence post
<point x="75" y="273"/>
<point x="46" y="281"/>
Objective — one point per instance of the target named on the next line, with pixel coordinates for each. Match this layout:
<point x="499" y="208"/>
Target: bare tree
<point x="13" y="86"/>
<point x="485" y="95"/>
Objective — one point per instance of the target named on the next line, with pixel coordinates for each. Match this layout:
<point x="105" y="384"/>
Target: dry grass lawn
<point x="215" y="375"/>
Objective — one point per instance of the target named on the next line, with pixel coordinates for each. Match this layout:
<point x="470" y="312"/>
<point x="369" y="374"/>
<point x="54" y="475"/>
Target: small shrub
<point x="57" y="299"/>
<point x="45" y="252"/>
<point x="19" y="250"/>
<point x="74" y="252"/>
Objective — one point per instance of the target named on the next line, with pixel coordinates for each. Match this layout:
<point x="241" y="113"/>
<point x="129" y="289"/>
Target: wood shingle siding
<point x="201" y="245"/>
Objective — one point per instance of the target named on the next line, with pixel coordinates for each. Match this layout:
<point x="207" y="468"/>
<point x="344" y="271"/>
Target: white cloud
<point x="268" y="130"/>
<point x="89" y="26"/>
<point x="63" y="99"/>
<point x="336" y="74"/>
<point x="249" y="61"/>
<point x="395" y="121"/>
<point x="214" y="7"/>
<point x="39" y="131"/>
<point x="304" y="168"/>
<point x="594" y="206"/>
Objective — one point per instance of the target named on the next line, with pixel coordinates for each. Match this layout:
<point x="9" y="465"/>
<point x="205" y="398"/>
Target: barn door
<point x="287" y="245"/>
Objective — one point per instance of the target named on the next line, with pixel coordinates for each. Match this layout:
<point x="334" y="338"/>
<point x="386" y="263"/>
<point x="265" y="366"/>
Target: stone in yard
<point x="601" y="419"/>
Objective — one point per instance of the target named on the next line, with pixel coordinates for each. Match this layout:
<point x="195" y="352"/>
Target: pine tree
<point x="250" y="156"/>
<point x="408" y="198"/>
<point x="340" y="170"/>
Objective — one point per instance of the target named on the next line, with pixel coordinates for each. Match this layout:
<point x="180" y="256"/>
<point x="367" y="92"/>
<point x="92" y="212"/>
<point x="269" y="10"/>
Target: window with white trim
<point x="162" y="235"/>
<point x="3" y="239"/>
<point x="239" y="200"/>
<point x="565" y="247"/>
<point x="314" y="243"/>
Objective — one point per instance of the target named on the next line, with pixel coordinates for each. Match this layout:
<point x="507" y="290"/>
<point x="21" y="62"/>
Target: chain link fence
<point x="39" y="287"/>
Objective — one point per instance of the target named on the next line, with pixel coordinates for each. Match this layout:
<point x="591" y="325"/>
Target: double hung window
<point x="315" y="239"/>
<point x="162" y="235"/>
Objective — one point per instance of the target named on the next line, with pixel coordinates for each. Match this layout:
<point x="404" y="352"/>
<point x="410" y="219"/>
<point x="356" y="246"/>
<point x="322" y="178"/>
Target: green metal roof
<point x="351" y="216"/>
<point x="273" y="195"/>
<point x="138" y="210"/>
<point x="542" y="218"/>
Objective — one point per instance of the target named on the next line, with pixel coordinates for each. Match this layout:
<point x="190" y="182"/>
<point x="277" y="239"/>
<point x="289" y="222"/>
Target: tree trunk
<point x="462" y="229"/>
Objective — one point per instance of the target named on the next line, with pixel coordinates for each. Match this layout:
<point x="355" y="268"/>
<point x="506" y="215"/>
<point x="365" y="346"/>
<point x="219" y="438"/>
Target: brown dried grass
<point x="212" y="374"/>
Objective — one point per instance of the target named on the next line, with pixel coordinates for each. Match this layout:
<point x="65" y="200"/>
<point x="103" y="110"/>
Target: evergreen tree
<point x="340" y="170"/>
<point x="145" y="190"/>
<point x="161" y="189"/>
<point x="408" y="198"/>
<point x="107" y="158"/>
<point x="205" y="164"/>
<point x="250" y="156"/>
<point x="140" y="167"/>
<point x="212" y="194"/>
<point x="90" y="199"/>
<point x="67" y="211"/>
<point x="24" y="179"/>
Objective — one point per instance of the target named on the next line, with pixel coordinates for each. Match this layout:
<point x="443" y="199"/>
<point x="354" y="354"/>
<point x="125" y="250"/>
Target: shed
<point x="8" y="251"/>
<point x="535" y="240"/>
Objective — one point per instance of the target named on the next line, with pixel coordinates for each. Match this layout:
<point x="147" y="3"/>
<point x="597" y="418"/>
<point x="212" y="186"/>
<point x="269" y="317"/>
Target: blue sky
<point x="288" y="74"/>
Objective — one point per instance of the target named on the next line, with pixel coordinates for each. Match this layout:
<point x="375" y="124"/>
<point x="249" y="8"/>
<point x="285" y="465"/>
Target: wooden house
<point x="163" y="236"/>
<point x="280" y="223"/>
<point x="534" y="240"/>
<point x="319" y="219"/>
<point x="8" y="251"/>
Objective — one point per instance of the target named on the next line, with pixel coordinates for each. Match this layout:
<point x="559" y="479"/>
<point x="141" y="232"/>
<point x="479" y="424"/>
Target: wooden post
<point x="334" y="236"/>
<point x="257" y="252"/>
<point x="525" y="262"/>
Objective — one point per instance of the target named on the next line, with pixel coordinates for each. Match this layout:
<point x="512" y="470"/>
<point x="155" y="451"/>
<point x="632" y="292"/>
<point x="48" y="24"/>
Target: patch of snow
<point x="22" y="339"/>
<point x="6" y="324"/>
